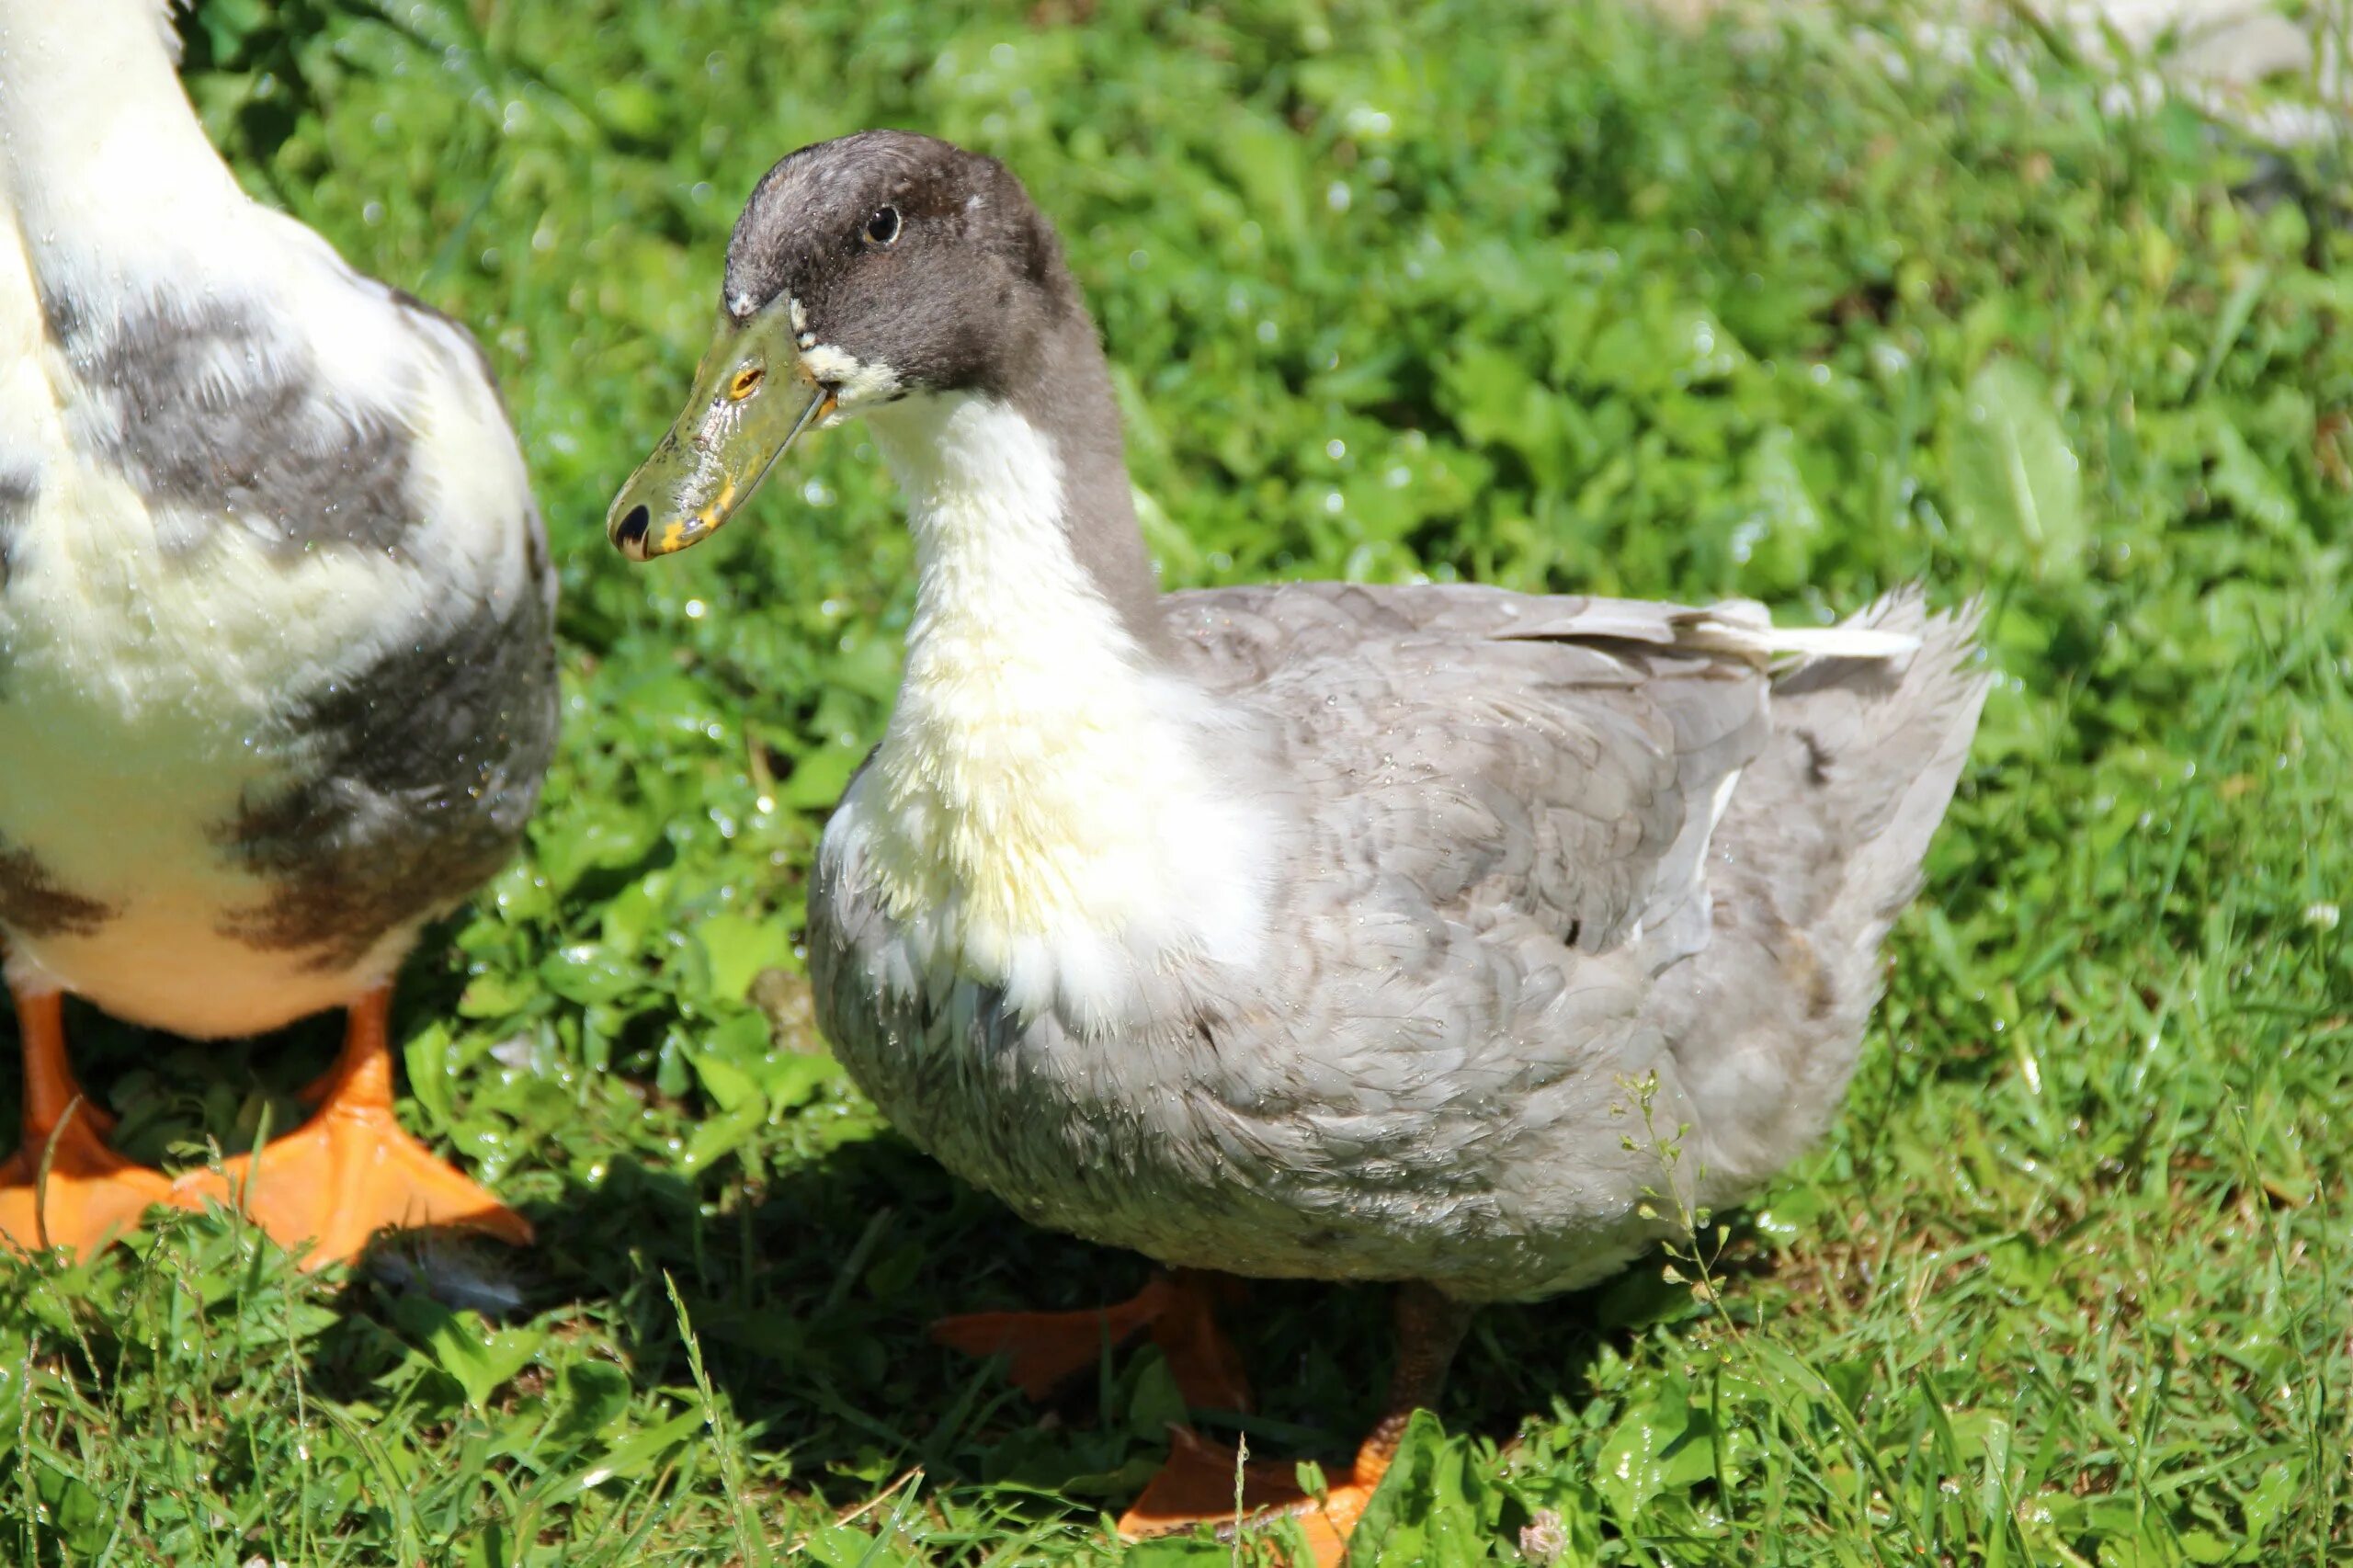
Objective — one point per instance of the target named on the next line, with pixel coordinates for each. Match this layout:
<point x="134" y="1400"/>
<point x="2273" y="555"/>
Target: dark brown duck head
<point x="866" y="271"/>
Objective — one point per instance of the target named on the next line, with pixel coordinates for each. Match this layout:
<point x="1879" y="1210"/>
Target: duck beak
<point x="753" y="397"/>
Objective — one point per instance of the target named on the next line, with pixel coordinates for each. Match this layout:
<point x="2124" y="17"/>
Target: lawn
<point x="1551" y="297"/>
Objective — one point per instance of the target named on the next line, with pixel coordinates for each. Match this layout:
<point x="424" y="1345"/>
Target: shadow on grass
<point x="811" y="1298"/>
<point x="809" y="1277"/>
<point x="171" y="1094"/>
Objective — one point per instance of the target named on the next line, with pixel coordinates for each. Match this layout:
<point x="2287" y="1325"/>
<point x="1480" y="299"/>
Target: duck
<point x="278" y="680"/>
<point x="1465" y="940"/>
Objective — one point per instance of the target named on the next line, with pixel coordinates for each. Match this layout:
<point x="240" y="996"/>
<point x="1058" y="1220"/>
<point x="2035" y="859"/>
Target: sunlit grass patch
<point x="1551" y="298"/>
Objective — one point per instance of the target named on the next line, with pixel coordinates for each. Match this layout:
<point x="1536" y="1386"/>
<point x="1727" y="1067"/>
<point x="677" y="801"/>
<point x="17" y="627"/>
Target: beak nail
<point x="631" y="532"/>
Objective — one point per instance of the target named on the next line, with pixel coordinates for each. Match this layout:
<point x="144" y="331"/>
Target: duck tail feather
<point x="1882" y="742"/>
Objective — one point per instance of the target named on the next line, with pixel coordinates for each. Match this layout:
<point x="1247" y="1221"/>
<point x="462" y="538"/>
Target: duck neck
<point x="1049" y="813"/>
<point x="1009" y="511"/>
<point x="103" y="163"/>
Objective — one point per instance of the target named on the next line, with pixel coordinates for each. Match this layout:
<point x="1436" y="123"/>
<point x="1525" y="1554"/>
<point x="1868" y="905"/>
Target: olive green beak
<point x="752" y="398"/>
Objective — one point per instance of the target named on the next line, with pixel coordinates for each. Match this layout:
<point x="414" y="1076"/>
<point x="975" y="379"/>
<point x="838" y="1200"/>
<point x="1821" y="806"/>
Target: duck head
<point x="864" y="271"/>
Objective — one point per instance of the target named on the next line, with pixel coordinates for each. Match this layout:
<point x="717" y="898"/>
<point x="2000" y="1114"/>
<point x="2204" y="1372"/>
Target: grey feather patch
<point x="426" y="766"/>
<point x="212" y="412"/>
<point x="19" y="488"/>
<point x="33" y="902"/>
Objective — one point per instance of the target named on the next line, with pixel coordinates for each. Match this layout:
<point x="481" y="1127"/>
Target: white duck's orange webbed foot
<point x="64" y="1187"/>
<point x="351" y="1172"/>
<point x="87" y="1196"/>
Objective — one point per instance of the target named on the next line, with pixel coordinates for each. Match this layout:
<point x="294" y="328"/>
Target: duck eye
<point x="746" y="381"/>
<point x="883" y="229"/>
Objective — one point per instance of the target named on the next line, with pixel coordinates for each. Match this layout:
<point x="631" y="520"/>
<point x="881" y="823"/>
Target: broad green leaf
<point x="480" y="1358"/>
<point x="793" y="1078"/>
<point x="723" y="1135"/>
<point x="2013" y="475"/>
<point x="1435" y="1508"/>
<point x="1782" y="525"/>
<point x="1154" y="1404"/>
<point x="588" y="973"/>
<point x="820" y="775"/>
<point x="600" y="836"/>
<point x="496" y="996"/>
<point x="2249" y="482"/>
<point x="846" y="1546"/>
<point x="728" y="1086"/>
<point x="426" y="1057"/>
<point x="591" y="1396"/>
<point x="739" y="947"/>
<point x="635" y="914"/>
<point x="634" y="1455"/>
<point x="1496" y="401"/>
<point x="2205" y="1546"/>
<point x="1663" y="1444"/>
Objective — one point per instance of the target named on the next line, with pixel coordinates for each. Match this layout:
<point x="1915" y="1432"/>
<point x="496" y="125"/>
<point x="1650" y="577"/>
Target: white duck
<point x="1437" y="935"/>
<point x="277" y="683"/>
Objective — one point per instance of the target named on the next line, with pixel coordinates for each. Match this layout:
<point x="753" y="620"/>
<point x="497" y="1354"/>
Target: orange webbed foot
<point x="1046" y="1349"/>
<point x="87" y="1196"/>
<point x="1200" y="1483"/>
<point x="351" y="1171"/>
<point x="64" y="1187"/>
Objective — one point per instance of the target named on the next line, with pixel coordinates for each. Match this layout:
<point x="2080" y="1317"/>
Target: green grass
<point x="1553" y="299"/>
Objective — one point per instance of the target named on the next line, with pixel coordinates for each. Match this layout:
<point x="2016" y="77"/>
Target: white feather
<point x="1038" y="814"/>
<point x="1742" y="629"/>
<point x="1841" y="642"/>
<point x="857" y="384"/>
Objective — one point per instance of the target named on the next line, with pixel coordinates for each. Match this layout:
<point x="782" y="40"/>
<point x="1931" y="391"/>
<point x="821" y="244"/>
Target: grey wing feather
<point x="1560" y="759"/>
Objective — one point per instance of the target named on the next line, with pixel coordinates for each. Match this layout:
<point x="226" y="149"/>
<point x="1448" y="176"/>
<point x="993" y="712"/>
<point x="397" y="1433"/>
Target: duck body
<point x="1432" y="934"/>
<point x="1567" y="923"/>
<point x="251" y="748"/>
<point x="244" y="765"/>
<point x="277" y="676"/>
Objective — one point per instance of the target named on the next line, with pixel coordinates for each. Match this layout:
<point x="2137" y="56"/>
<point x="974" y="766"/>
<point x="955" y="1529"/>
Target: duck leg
<point x="1198" y="1484"/>
<point x="1179" y="1308"/>
<point x="87" y="1193"/>
<point x="350" y="1171"/>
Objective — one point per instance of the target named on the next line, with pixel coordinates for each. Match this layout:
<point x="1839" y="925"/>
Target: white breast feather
<point x="1040" y="813"/>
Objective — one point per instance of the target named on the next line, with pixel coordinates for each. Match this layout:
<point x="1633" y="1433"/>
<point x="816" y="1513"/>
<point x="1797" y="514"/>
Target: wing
<point x="1560" y="760"/>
